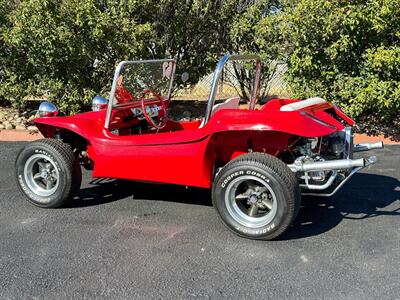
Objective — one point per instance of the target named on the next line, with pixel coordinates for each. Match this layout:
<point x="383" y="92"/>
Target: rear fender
<point x="226" y="145"/>
<point x="298" y="123"/>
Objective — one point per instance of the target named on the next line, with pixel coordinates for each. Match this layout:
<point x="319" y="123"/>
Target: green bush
<point x="343" y="50"/>
<point x="346" y="51"/>
<point x="66" y="50"/>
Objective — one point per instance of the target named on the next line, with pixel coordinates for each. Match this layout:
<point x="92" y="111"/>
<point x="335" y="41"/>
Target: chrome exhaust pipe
<point x="339" y="164"/>
<point x="367" y="146"/>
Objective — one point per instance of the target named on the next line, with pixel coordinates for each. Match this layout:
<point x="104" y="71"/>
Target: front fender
<point x="87" y="128"/>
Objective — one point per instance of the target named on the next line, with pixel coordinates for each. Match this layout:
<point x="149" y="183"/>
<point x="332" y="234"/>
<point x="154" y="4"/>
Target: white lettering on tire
<point x="257" y="174"/>
<point x="256" y="231"/>
<point x="230" y="177"/>
<point x="50" y="156"/>
<point x="29" y="193"/>
<point x="238" y="173"/>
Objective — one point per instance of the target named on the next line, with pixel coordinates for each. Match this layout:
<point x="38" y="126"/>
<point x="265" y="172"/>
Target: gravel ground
<point x="119" y="240"/>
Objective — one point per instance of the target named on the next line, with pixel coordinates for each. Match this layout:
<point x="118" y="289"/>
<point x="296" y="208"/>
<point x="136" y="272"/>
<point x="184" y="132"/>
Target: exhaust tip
<point x="370" y="160"/>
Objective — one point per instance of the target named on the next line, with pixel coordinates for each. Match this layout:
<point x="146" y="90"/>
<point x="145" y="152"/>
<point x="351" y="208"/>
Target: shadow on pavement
<point x="364" y="196"/>
<point x="109" y="190"/>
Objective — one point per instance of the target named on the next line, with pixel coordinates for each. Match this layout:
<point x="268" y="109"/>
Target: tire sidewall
<point x="270" y="177"/>
<point x="55" y="199"/>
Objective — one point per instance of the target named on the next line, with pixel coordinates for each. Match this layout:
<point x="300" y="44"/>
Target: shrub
<point x="346" y="51"/>
<point x="66" y="50"/>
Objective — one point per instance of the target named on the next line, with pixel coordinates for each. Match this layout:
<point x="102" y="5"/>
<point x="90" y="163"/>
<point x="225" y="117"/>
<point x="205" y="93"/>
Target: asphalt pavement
<point x="133" y="241"/>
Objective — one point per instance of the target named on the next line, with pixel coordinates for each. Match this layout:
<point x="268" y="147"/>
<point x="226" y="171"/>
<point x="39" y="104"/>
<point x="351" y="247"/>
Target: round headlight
<point x="98" y="103"/>
<point x="47" y="109"/>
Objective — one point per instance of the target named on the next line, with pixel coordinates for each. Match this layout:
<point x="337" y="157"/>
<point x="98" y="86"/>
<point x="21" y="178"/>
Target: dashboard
<point x="151" y="110"/>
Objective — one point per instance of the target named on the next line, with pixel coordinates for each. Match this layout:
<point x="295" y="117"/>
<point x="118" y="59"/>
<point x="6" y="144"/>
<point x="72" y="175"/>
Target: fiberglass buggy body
<point x="257" y="161"/>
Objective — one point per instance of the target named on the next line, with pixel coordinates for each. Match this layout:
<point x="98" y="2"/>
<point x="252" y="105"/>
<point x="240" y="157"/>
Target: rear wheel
<point x="48" y="173"/>
<point x="257" y="196"/>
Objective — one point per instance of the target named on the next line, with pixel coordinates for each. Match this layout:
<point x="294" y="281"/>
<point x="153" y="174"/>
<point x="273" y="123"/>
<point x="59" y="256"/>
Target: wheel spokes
<point x="243" y="196"/>
<point x="49" y="184"/>
<point x="262" y="190"/>
<point x="268" y="203"/>
<point x="253" y="210"/>
<point x="42" y="165"/>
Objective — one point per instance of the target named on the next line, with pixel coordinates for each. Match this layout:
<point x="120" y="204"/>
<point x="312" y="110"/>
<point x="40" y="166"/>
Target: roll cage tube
<point x="118" y="70"/>
<point x="217" y="76"/>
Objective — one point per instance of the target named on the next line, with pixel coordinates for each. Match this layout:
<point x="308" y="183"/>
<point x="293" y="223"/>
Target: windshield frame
<point x="118" y="70"/>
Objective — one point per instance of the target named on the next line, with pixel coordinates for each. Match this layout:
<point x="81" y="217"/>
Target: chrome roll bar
<point x="118" y="70"/>
<point x="217" y="76"/>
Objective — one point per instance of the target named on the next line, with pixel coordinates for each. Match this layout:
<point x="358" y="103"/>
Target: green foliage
<point x="346" y="51"/>
<point x="343" y="50"/>
<point x="254" y="30"/>
<point x="66" y="50"/>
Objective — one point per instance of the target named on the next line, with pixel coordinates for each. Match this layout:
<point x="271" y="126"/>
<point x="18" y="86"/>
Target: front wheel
<point x="47" y="172"/>
<point x="257" y="196"/>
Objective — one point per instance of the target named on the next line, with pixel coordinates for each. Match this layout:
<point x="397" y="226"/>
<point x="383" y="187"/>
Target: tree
<point x="256" y="30"/>
<point x="66" y="50"/>
<point x="343" y="50"/>
<point x="346" y="51"/>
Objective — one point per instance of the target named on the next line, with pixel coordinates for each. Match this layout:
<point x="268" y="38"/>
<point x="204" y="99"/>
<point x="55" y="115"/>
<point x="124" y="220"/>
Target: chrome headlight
<point x="47" y="109"/>
<point x="99" y="103"/>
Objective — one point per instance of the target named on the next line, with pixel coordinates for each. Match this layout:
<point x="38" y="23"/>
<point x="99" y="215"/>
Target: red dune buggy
<point x="258" y="160"/>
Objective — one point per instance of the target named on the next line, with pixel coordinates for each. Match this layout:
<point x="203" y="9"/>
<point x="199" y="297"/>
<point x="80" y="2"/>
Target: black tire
<point x="62" y="167"/>
<point x="275" y="208"/>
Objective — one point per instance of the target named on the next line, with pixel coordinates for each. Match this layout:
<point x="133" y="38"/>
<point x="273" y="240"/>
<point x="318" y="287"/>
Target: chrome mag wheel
<point x="251" y="201"/>
<point x="48" y="172"/>
<point x="41" y="175"/>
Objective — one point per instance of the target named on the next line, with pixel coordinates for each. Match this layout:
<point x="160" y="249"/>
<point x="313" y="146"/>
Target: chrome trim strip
<point x="303" y="113"/>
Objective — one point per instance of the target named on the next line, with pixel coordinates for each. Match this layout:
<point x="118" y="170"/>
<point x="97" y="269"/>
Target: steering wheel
<point x="162" y="113"/>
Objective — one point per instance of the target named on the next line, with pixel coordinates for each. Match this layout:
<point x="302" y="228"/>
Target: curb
<point x="13" y="135"/>
<point x="364" y="138"/>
